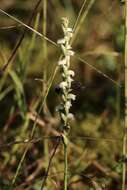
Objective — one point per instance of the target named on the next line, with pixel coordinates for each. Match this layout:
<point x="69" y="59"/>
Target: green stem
<point x="80" y="22"/>
<point x="44" y="28"/>
<point x="65" y="167"/>
<point x="45" y="108"/>
<point x="44" y="42"/>
<point x="125" y="124"/>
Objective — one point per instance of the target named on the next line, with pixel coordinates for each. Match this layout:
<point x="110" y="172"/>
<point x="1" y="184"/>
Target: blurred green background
<point x="98" y="108"/>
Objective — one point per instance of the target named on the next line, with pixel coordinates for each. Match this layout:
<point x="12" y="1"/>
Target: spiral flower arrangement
<point x="67" y="76"/>
<point x="65" y="88"/>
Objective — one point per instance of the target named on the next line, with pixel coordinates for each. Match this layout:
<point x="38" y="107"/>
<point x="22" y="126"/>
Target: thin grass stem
<point x="28" y="27"/>
<point x="44" y="48"/>
<point x="81" y="20"/>
<point x="34" y="127"/>
<point x="125" y="117"/>
<point x="79" y="15"/>
<point x="65" y="168"/>
<point x="98" y="70"/>
<point x="45" y="108"/>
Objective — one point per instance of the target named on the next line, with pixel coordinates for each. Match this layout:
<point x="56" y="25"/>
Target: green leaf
<point x="17" y="81"/>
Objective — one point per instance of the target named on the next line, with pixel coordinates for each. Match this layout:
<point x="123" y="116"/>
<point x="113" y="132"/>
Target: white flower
<point x="63" y="85"/>
<point x="69" y="47"/>
<point x="70" y="116"/>
<point x="71" y="96"/>
<point x="62" y="62"/>
<point x="63" y="116"/>
<point x="70" y="34"/>
<point x="59" y="108"/>
<point x="67" y="74"/>
<point x="71" y="73"/>
<point x="70" y="53"/>
<point x="69" y="29"/>
<point x="65" y="22"/>
<point x="61" y="41"/>
<point x="69" y="79"/>
<point x="64" y="97"/>
<point x="67" y="37"/>
<point x="68" y="105"/>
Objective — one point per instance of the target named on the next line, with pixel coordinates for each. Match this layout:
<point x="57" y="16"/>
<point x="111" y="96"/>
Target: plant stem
<point x="45" y="42"/>
<point x="65" y="167"/>
<point x="125" y="117"/>
<point x="45" y="108"/>
<point x="65" y="86"/>
<point x="80" y="22"/>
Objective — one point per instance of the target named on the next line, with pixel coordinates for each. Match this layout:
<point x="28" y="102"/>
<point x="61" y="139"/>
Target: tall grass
<point x="125" y="122"/>
<point x="81" y="18"/>
<point x="47" y="85"/>
<point x="45" y="62"/>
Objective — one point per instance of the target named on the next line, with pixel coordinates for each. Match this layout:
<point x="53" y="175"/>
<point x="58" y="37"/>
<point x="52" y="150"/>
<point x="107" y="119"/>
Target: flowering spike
<point x="67" y="75"/>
